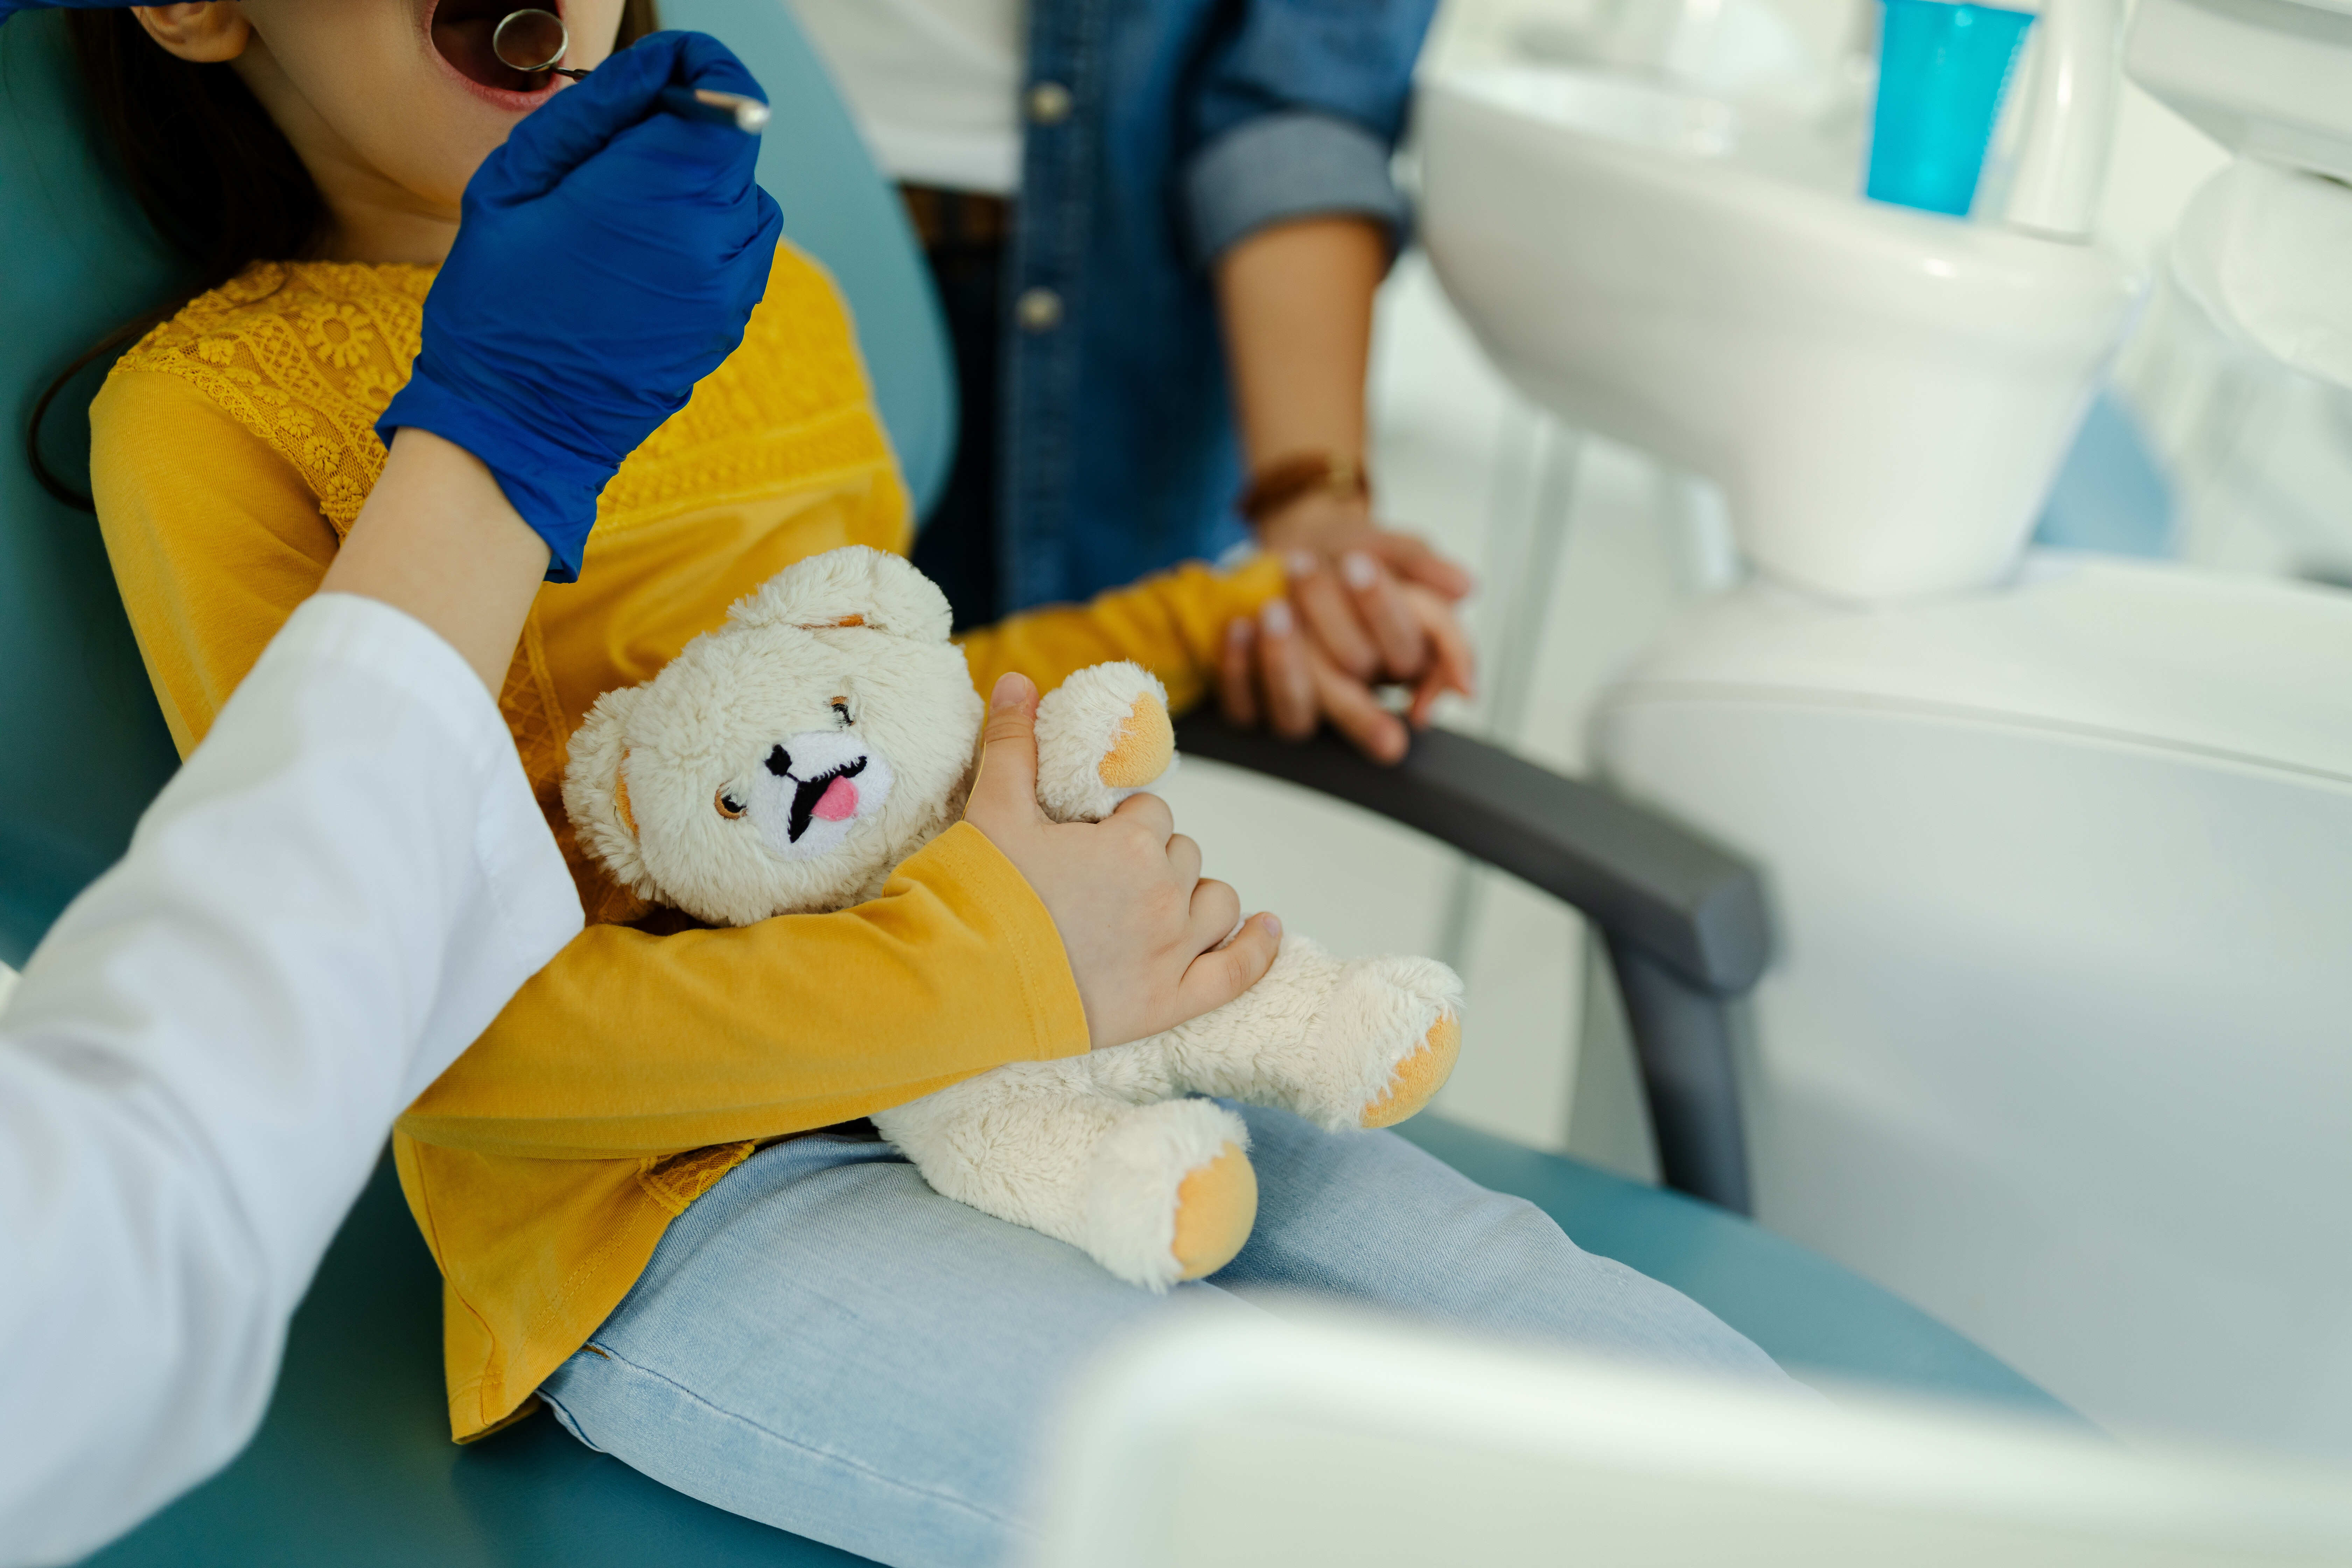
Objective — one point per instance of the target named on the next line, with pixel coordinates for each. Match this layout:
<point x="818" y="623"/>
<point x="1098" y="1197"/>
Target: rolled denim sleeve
<point x="1286" y="165"/>
<point x="1295" y="111"/>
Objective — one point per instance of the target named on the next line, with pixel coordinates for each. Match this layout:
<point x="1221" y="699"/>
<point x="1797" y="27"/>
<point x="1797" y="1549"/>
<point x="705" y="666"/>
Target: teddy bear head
<point x="787" y="760"/>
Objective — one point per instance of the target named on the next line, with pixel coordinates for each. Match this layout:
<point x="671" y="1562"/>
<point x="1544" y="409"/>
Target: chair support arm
<point x="1684" y="921"/>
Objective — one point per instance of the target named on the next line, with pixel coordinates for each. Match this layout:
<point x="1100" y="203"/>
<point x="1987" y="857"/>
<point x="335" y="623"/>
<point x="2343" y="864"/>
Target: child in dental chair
<point x="649" y="1187"/>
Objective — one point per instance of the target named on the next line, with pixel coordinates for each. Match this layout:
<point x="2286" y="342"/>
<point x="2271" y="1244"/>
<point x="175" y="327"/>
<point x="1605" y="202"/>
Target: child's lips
<point x="459" y="32"/>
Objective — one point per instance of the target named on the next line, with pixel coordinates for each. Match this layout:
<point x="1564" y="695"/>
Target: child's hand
<point x="1274" y="669"/>
<point x="1146" y="936"/>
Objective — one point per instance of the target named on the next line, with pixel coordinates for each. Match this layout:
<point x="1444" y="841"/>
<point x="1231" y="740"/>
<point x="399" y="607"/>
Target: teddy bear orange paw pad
<point x="1145" y="746"/>
<point x="1420" y="1076"/>
<point x="1216" y="1205"/>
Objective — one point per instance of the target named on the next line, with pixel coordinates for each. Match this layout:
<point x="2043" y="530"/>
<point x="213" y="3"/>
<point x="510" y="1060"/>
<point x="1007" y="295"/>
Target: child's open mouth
<point x="461" y="30"/>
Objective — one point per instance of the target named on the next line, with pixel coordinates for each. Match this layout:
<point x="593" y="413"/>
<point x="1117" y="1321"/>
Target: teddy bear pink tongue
<point x="838" y="802"/>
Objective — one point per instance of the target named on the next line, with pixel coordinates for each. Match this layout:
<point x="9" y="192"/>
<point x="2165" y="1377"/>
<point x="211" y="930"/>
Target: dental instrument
<point x="533" y="40"/>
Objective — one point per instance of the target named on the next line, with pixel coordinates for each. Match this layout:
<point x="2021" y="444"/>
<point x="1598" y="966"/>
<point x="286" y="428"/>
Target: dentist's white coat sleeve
<point x="338" y="892"/>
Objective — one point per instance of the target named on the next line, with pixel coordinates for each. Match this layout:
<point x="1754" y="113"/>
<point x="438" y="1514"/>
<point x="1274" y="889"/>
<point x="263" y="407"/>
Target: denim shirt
<point x="1158" y="133"/>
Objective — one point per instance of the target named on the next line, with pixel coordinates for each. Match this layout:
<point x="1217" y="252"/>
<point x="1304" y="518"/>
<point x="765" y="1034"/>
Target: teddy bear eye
<point x="841" y="710"/>
<point x="728" y="808"/>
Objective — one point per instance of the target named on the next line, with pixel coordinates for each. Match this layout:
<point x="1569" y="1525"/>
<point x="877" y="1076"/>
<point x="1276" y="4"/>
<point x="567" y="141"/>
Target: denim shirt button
<point x="1048" y="103"/>
<point x="1038" y="310"/>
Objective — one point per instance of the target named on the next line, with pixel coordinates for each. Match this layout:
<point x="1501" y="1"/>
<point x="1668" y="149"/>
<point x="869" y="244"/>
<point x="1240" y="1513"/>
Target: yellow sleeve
<point x="213" y="536"/>
<point x="629" y="1044"/>
<point x="628" y="1041"/>
<point x="1172" y="624"/>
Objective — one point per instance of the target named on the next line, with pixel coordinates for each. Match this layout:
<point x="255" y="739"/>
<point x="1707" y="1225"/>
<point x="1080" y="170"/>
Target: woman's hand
<point x="1151" y="943"/>
<point x="1274" y="671"/>
<point x="1365" y="608"/>
<point x="1346" y="576"/>
<point x="607" y="258"/>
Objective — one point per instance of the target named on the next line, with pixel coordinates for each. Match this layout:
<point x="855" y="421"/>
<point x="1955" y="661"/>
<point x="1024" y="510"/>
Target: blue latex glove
<point x="607" y="258"/>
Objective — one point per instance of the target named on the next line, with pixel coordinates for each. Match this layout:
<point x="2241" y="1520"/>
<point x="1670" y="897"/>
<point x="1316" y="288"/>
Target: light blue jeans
<point x="823" y="1343"/>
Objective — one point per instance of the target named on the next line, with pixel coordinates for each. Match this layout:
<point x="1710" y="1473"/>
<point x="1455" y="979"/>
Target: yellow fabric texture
<point x="231" y="451"/>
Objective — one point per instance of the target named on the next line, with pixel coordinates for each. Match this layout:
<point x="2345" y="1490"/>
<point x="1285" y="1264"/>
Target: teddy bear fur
<point x="788" y="761"/>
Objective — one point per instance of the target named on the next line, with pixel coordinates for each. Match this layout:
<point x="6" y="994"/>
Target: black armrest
<point x="1684" y="921"/>
<point x="1678" y="900"/>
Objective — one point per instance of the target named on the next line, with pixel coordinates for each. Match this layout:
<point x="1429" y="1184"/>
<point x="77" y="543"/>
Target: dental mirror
<point x="533" y="40"/>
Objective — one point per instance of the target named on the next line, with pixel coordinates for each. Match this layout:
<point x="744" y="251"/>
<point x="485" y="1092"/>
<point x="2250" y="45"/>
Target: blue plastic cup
<point x="1942" y="69"/>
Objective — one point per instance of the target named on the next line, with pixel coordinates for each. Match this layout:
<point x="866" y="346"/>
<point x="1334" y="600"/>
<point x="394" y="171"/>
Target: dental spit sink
<point x="1884" y="395"/>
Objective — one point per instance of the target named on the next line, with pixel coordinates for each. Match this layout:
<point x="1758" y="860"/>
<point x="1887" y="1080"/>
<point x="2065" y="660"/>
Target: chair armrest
<point x="1683" y="922"/>
<point x="1645" y="881"/>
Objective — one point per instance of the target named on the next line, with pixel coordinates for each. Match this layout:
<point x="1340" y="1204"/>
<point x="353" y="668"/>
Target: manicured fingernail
<point x="1276" y="615"/>
<point x="1005" y="693"/>
<point x="1358" y="570"/>
<point x="1299" y="563"/>
<point x="1273" y="924"/>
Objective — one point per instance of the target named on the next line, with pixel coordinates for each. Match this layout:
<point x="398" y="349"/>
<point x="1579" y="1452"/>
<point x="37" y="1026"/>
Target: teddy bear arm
<point x="1102" y="736"/>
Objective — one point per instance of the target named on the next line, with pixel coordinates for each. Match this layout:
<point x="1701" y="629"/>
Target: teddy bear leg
<point x="1155" y="1191"/>
<point x="1363" y="1042"/>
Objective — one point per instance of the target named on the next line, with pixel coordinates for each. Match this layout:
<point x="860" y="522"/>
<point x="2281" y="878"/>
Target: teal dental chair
<point x="354" y="1465"/>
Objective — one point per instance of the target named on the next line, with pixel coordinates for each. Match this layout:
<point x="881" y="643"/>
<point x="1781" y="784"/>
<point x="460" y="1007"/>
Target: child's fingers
<point x="1215" y="909"/>
<point x="1329" y="615"/>
<point x="1185" y="860"/>
<point x="1456" y="663"/>
<point x="1217" y="977"/>
<point x="1148" y="814"/>
<point x="1288" y="684"/>
<point x="1237" y="674"/>
<point x="1356" y="712"/>
<point x="1007" y="785"/>
<point x="1380" y="601"/>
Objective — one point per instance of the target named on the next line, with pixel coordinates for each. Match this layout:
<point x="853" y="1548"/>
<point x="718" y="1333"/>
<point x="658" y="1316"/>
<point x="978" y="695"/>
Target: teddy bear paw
<point x="1171" y="1194"/>
<point x="1216" y="1206"/>
<point x="1102" y="736"/>
<point x="1420" y="1076"/>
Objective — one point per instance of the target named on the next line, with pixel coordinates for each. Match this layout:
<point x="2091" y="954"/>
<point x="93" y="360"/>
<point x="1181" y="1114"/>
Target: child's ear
<point x="208" y="33"/>
<point x="596" y="790"/>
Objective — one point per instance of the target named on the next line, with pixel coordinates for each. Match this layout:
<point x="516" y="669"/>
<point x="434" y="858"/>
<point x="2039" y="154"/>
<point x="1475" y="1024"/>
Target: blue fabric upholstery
<point x="86" y="746"/>
<point x="355" y="1466"/>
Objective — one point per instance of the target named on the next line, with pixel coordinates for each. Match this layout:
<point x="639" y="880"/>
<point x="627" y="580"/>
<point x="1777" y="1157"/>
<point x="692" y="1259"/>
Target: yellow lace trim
<point x="306" y="355"/>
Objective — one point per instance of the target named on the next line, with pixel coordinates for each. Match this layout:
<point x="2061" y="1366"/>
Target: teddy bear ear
<point x="852" y="586"/>
<point x="596" y="789"/>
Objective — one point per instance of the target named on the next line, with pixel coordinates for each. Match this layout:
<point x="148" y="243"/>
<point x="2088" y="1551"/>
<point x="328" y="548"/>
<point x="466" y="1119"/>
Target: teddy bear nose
<point x="779" y="762"/>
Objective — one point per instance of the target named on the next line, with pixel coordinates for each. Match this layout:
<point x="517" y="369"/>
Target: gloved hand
<point x="607" y="258"/>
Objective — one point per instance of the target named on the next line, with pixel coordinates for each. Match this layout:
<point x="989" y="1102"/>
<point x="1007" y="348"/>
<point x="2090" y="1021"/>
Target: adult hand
<point x="1146" y="937"/>
<point x="607" y="258"/>
<point x="1347" y="577"/>
<point x="1274" y="671"/>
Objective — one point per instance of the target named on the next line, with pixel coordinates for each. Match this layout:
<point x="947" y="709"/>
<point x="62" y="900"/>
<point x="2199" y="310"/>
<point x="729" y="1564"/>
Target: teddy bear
<point x="788" y="761"/>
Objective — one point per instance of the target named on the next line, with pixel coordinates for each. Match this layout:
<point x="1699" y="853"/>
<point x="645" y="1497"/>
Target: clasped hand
<point x="1366" y="607"/>
<point x="1151" y="942"/>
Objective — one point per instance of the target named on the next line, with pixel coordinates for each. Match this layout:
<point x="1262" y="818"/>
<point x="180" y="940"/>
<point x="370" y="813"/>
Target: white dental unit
<point x="2057" y="1041"/>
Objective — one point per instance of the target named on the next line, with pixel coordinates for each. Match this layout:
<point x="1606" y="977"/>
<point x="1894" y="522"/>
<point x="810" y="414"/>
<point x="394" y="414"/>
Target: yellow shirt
<point x="230" y="452"/>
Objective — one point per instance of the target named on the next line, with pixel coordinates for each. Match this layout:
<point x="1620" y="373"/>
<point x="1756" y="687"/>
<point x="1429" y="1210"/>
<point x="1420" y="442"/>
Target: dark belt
<point x="948" y="218"/>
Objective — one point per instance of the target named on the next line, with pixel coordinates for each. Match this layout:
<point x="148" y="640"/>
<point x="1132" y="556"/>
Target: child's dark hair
<point x="207" y="165"/>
